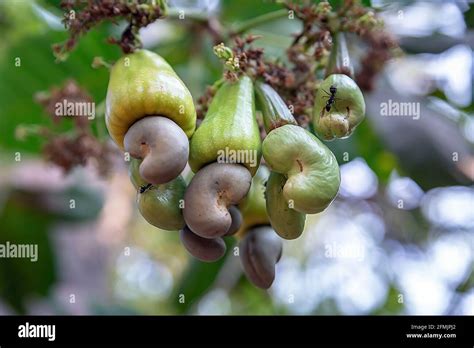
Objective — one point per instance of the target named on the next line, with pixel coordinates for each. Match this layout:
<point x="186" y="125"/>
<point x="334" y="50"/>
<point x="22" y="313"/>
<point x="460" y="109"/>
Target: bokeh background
<point x="399" y="239"/>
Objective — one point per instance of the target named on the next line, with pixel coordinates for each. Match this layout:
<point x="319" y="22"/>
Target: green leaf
<point x="247" y="299"/>
<point x="469" y="17"/>
<point x="27" y="66"/>
<point x="233" y="11"/>
<point x="393" y="303"/>
<point x="198" y="278"/>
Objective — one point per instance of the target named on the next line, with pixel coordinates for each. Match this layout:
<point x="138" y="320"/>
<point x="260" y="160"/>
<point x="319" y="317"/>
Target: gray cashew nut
<point x="204" y="249"/>
<point x="236" y="217"/>
<point x="260" y="250"/>
<point x="163" y="146"/>
<point x="211" y="191"/>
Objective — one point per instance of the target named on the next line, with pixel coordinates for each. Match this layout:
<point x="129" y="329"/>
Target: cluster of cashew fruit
<point x="150" y="115"/>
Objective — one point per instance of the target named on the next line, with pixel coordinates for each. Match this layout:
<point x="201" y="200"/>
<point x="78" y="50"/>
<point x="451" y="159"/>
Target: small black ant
<point x="145" y="188"/>
<point x="332" y="97"/>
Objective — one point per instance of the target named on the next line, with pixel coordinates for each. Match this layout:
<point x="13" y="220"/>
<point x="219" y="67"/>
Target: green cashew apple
<point x="144" y="84"/>
<point x="339" y="107"/>
<point x="311" y="169"/>
<point x="134" y="174"/>
<point x="229" y="133"/>
<point x="287" y="222"/>
<point x="150" y="114"/>
<point x="161" y="205"/>
<point x="253" y="206"/>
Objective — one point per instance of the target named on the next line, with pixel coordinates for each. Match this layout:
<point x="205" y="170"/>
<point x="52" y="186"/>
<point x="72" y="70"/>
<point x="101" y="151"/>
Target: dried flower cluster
<point x="70" y="92"/>
<point x="80" y="147"/>
<point x="70" y="151"/>
<point x="204" y="101"/>
<point x="351" y="17"/>
<point x="309" y="52"/>
<point x="82" y="15"/>
<point x="382" y="47"/>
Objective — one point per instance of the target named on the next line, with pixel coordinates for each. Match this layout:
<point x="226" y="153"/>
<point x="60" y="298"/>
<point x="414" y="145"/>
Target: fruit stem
<point x="339" y="60"/>
<point x="274" y="110"/>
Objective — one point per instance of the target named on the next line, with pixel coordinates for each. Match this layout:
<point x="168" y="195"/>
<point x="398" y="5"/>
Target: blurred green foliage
<point x="27" y="66"/>
<point x="26" y="217"/>
<point x="20" y="278"/>
<point x="197" y="279"/>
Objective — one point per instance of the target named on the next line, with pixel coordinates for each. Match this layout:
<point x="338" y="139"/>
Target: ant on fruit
<point x="145" y="187"/>
<point x="331" y="98"/>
